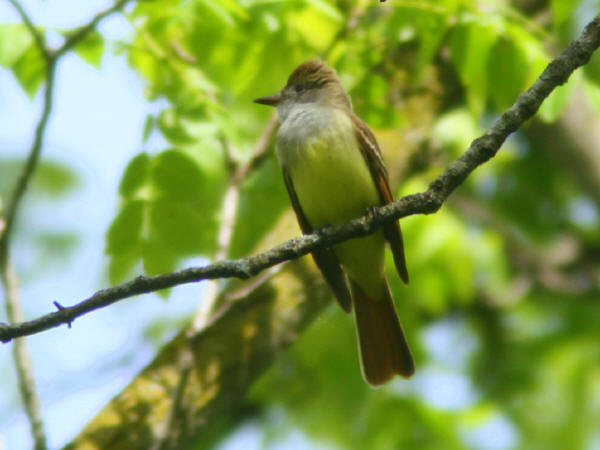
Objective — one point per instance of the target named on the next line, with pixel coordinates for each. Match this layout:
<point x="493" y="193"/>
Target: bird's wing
<point x="325" y="259"/>
<point x="372" y="154"/>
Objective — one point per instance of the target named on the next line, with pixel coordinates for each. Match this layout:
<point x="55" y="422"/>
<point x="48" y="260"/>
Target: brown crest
<point x="314" y="72"/>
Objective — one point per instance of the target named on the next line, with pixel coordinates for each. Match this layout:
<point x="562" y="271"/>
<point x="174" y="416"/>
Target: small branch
<point x="22" y="358"/>
<point x="37" y="36"/>
<point x="481" y="150"/>
<point x="228" y="214"/>
<point x="30" y="165"/>
<point x="14" y="312"/>
<point x="82" y="32"/>
<point x="177" y="420"/>
<point x="230" y="162"/>
<point x="241" y="268"/>
<point x="261" y="149"/>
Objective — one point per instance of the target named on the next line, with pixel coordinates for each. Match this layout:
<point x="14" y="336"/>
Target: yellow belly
<point x="333" y="185"/>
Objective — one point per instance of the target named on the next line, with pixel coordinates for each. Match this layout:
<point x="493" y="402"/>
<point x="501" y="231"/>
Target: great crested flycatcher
<point x="334" y="172"/>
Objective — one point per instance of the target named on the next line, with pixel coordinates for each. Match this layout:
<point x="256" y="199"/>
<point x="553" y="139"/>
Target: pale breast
<point x="319" y="150"/>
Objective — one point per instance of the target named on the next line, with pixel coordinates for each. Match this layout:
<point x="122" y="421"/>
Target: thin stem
<point x="22" y="358"/>
<point x="8" y="275"/>
<point x="82" y="32"/>
<point x="14" y="311"/>
<point x="35" y="33"/>
<point x="31" y="163"/>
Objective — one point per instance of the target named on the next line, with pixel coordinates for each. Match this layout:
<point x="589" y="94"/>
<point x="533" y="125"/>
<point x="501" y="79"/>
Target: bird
<point x="334" y="171"/>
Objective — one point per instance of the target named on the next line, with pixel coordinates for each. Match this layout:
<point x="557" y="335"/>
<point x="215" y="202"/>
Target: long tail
<point x="382" y="346"/>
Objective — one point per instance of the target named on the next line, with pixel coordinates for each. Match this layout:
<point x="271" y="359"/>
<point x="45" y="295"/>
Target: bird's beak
<point x="271" y="100"/>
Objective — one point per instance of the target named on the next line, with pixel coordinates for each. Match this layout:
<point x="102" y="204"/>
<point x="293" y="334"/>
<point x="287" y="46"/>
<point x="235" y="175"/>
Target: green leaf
<point x="316" y="26"/>
<point x="185" y="227"/>
<point x="51" y="179"/>
<point x="135" y="176"/>
<point x="187" y="201"/>
<point x="125" y="232"/>
<point x="55" y="247"/>
<point x="262" y="200"/>
<point x="30" y="70"/>
<point x="326" y="8"/>
<point x="149" y="126"/>
<point x="177" y="217"/>
<point x="216" y="11"/>
<point x="121" y="266"/>
<point x="563" y="11"/>
<point x="508" y="72"/>
<point x="91" y="49"/>
<point x="592" y="69"/>
<point x="175" y="174"/>
<point x="14" y="40"/>
<point x="54" y="179"/>
<point x="592" y="93"/>
<point x="173" y="128"/>
<point x="158" y="258"/>
<point x="432" y="28"/>
<point x="471" y="43"/>
<point x="454" y="130"/>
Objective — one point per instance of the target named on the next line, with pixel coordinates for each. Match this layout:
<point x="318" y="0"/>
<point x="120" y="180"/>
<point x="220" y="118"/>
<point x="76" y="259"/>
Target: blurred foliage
<point x="91" y="48"/>
<point x="52" y="179"/>
<point x="51" y="244"/>
<point x="169" y="211"/>
<point x="502" y="310"/>
<point x="445" y="68"/>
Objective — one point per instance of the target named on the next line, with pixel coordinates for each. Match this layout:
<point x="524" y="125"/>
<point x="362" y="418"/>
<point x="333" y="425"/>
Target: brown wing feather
<point x="372" y="154"/>
<point x="325" y="259"/>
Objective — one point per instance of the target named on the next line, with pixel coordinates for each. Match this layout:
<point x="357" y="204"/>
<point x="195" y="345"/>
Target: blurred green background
<point x="503" y="307"/>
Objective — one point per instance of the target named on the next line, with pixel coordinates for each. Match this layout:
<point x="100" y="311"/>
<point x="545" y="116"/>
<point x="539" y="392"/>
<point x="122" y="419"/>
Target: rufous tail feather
<point x="383" y="349"/>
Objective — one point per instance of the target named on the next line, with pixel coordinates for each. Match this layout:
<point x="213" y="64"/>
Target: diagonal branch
<point x="480" y="150"/>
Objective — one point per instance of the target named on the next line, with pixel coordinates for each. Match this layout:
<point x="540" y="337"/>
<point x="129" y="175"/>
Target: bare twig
<point x="261" y="149"/>
<point x="177" y="420"/>
<point x="22" y="358"/>
<point x="480" y="150"/>
<point x="30" y="165"/>
<point x="82" y="32"/>
<point x="228" y="214"/>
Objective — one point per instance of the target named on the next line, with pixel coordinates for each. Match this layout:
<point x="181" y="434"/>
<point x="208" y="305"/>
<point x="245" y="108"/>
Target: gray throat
<point x="301" y="122"/>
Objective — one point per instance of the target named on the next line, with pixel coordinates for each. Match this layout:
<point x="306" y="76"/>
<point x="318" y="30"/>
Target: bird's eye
<point x="300" y="87"/>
